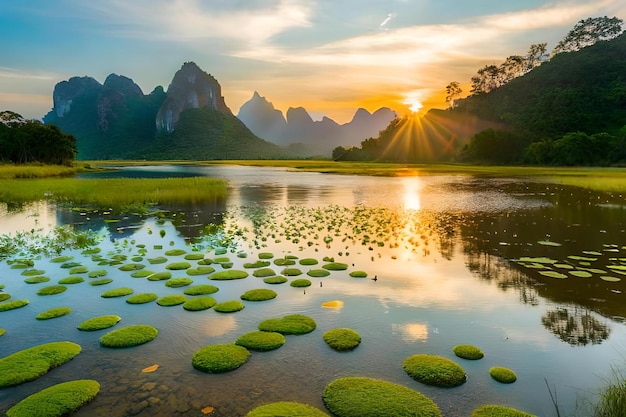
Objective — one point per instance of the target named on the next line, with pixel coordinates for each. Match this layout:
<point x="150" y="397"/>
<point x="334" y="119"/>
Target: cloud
<point x="13" y="73"/>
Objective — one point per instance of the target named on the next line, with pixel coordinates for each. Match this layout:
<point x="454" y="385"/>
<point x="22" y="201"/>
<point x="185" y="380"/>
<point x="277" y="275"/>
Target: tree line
<point x="27" y="141"/>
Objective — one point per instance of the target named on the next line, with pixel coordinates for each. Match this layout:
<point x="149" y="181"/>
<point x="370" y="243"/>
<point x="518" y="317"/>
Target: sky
<point x="329" y="56"/>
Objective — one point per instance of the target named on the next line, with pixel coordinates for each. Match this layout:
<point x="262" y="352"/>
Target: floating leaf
<point x="580" y="274"/>
<point x="333" y="304"/>
<point x="553" y="274"/>
<point x="610" y="278"/>
<point x="150" y="369"/>
<point x="549" y="243"/>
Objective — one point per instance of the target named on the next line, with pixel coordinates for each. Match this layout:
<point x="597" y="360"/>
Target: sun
<point x="414" y="104"/>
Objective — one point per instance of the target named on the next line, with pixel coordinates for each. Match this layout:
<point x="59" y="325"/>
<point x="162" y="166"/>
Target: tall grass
<point x="114" y="192"/>
<point x="10" y="171"/>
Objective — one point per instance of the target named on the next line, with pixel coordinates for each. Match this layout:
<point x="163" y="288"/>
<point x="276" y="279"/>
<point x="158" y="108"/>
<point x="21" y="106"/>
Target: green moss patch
<point x="117" y="292"/>
<point x="468" y="352"/>
<point x="200" y="270"/>
<point x="264" y="272"/>
<point x="52" y="290"/>
<point x="53" y="313"/>
<point x="71" y="280"/>
<point x="260" y="294"/>
<point x="367" y="397"/>
<point x="33" y="272"/>
<point x="194" y="256"/>
<point x="199" y="303"/>
<point x="36" y="280"/>
<point x="275" y="280"/>
<point x="177" y="266"/>
<point x="308" y="261"/>
<point x="58" y="400"/>
<point x="143" y="298"/>
<point x="70" y="265"/>
<point x="12" y="305"/>
<point x="300" y="283"/>
<point x="2" y="332"/>
<point x="434" y="370"/>
<point x="102" y="281"/>
<point x="342" y="339"/>
<point x="228" y="275"/>
<point x="135" y="335"/>
<point x="29" y="364"/>
<point x="291" y="272"/>
<point x="81" y="269"/>
<point x="201" y="290"/>
<point x="291" y="324"/>
<point x="142" y="273"/>
<point x="178" y="282"/>
<point x="230" y="306"/>
<point x="284" y="262"/>
<point x="261" y="341"/>
<point x="4" y="296"/>
<point x="131" y="267"/>
<point x="257" y="264"/>
<point x="157" y="260"/>
<point x="61" y="259"/>
<point x="266" y="255"/>
<point x="97" y="273"/>
<point x="220" y="358"/>
<point x="358" y="274"/>
<point x="171" y="300"/>
<point x="491" y="410"/>
<point x="286" y="408"/>
<point x="503" y="375"/>
<point x="221" y="260"/>
<point x="160" y="276"/>
<point x="318" y="273"/>
<point x="175" y="252"/>
<point x="99" y="323"/>
<point x="335" y="266"/>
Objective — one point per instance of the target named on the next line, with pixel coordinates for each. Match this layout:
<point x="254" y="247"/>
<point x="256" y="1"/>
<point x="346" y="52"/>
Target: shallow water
<point x="442" y="248"/>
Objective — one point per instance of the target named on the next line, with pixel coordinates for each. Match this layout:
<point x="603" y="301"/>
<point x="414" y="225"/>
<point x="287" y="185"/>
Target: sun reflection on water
<point x="411" y="332"/>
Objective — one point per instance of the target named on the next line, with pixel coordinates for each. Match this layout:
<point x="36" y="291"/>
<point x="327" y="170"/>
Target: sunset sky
<point x="329" y="56"/>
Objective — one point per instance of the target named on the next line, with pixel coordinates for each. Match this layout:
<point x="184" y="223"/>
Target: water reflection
<point x="411" y="332"/>
<point x="576" y="326"/>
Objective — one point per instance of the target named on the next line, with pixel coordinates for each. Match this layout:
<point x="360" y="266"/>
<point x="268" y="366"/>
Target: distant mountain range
<point x="116" y="120"/>
<point x="299" y="128"/>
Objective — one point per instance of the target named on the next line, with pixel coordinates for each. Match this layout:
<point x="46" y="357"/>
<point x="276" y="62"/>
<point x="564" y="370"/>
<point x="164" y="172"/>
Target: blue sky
<point x="330" y="56"/>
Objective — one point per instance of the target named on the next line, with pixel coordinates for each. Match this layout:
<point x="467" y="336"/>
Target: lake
<point x="532" y="273"/>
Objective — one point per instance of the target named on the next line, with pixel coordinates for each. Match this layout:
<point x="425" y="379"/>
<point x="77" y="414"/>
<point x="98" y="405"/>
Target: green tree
<point x="589" y="31"/>
<point x="453" y="91"/>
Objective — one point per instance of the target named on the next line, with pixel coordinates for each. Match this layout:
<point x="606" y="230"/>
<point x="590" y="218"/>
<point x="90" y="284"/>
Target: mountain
<point x="116" y="120"/>
<point x="299" y="129"/>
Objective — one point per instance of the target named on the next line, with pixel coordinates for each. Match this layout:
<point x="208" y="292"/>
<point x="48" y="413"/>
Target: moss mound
<point x="12" y="305"/>
<point x="342" y="339"/>
<point x="157" y="260"/>
<point x="308" y="261"/>
<point x="434" y="370"/>
<point x="228" y="275"/>
<point x="102" y="281"/>
<point x="175" y="252"/>
<point x="335" y="266"/>
<point x="143" y="298"/>
<point x="220" y="358"/>
<point x="230" y="306"/>
<point x="201" y="290"/>
<point x="300" y="283"/>
<point x="266" y="255"/>
<point x="358" y="274"/>
<point x="367" y="397"/>
<point x="177" y="266"/>
<point x="71" y="280"/>
<point x="4" y="296"/>
<point x="194" y="256"/>
<point x="81" y="269"/>
<point x="52" y="290"/>
<point x="171" y="300"/>
<point x="257" y="264"/>
<point x="491" y="410"/>
<point x="318" y="273"/>
<point x="264" y="272"/>
<point x="261" y="341"/>
<point x="291" y="324"/>
<point x="58" y="400"/>
<point x="291" y="272"/>
<point x="135" y="335"/>
<point x="142" y="273"/>
<point x="260" y="294"/>
<point x="284" y="262"/>
<point x="131" y="267"/>
<point x="36" y="280"/>
<point x="2" y="332"/>
<point x="29" y="364"/>
<point x="99" y="323"/>
<point x="160" y="276"/>
<point x="503" y="375"/>
<point x="468" y="352"/>
<point x="97" y="273"/>
<point x="117" y="292"/>
<point x="199" y="303"/>
<point x="200" y="270"/>
<point x="53" y="313"/>
<point x="275" y="280"/>
<point x="286" y="408"/>
<point x="178" y="282"/>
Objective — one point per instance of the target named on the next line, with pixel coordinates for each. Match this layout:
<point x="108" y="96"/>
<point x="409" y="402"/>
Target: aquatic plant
<point x="194" y="256"/>
<point x="99" y="323"/>
<point x="160" y="276"/>
<point x="368" y="397"/>
<point x="286" y="408"/>
<point x="358" y="274"/>
<point x="335" y="266"/>
<point x="291" y="272"/>
<point x="129" y="336"/>
<point x="308" y="261"/>
<point x="52" y="290"/>
<point x="80" y="269"/>
<point x="201" y="290"/>
<point x="468" y="352"/>
<point x="56" y="401"/>
<point x="31" y="363"/>
<point x="260" y="294"/>
<point x="142" y="273"/>
<point x="199" y="303"/>
<point x="342" y="339"/>
<point x="177" y="266"/>
<point x="434" y="370"/>
<point x="230" y="306"/>
<point x="300" y="283"/>
<point x="175" y="252"/>
<point x="264" y="272"/>
<point x="53" y="313"/>
<point x="219" y="358"/>
<point x="503" y="375"/>
<point x="117" y="292"/>
<point x="33" y="272"/>
<point x="275" y="280"/>
<point x="71" y="280"/>
<point x="171" y="300"/>
<point x="4" y="296"/>
<point x="102" y="281"/>
<point x="318" y="273"/>
<point x="157" y="260"/>
<point x="261" y="341"/>
<point x="266" y="255"/>
<point x="142" y="298"/>
<point x="2" y="332"/>
<point x="178" y="282"/>
<point x="229" y="275"/>
<point x="200" y="270"/>
<point x="492" y="410"/>
<point x="291" y="324"/>
<point x="131" y="267"/>
<point x="97" y="273"/>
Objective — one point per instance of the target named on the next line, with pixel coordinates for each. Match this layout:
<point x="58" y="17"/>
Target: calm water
<point x="458" y="261"/>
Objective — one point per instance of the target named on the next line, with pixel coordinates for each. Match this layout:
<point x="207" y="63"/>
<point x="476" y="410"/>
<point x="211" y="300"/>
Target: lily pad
<point x="275" y="280"/>
<point x="553" y="274"/>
